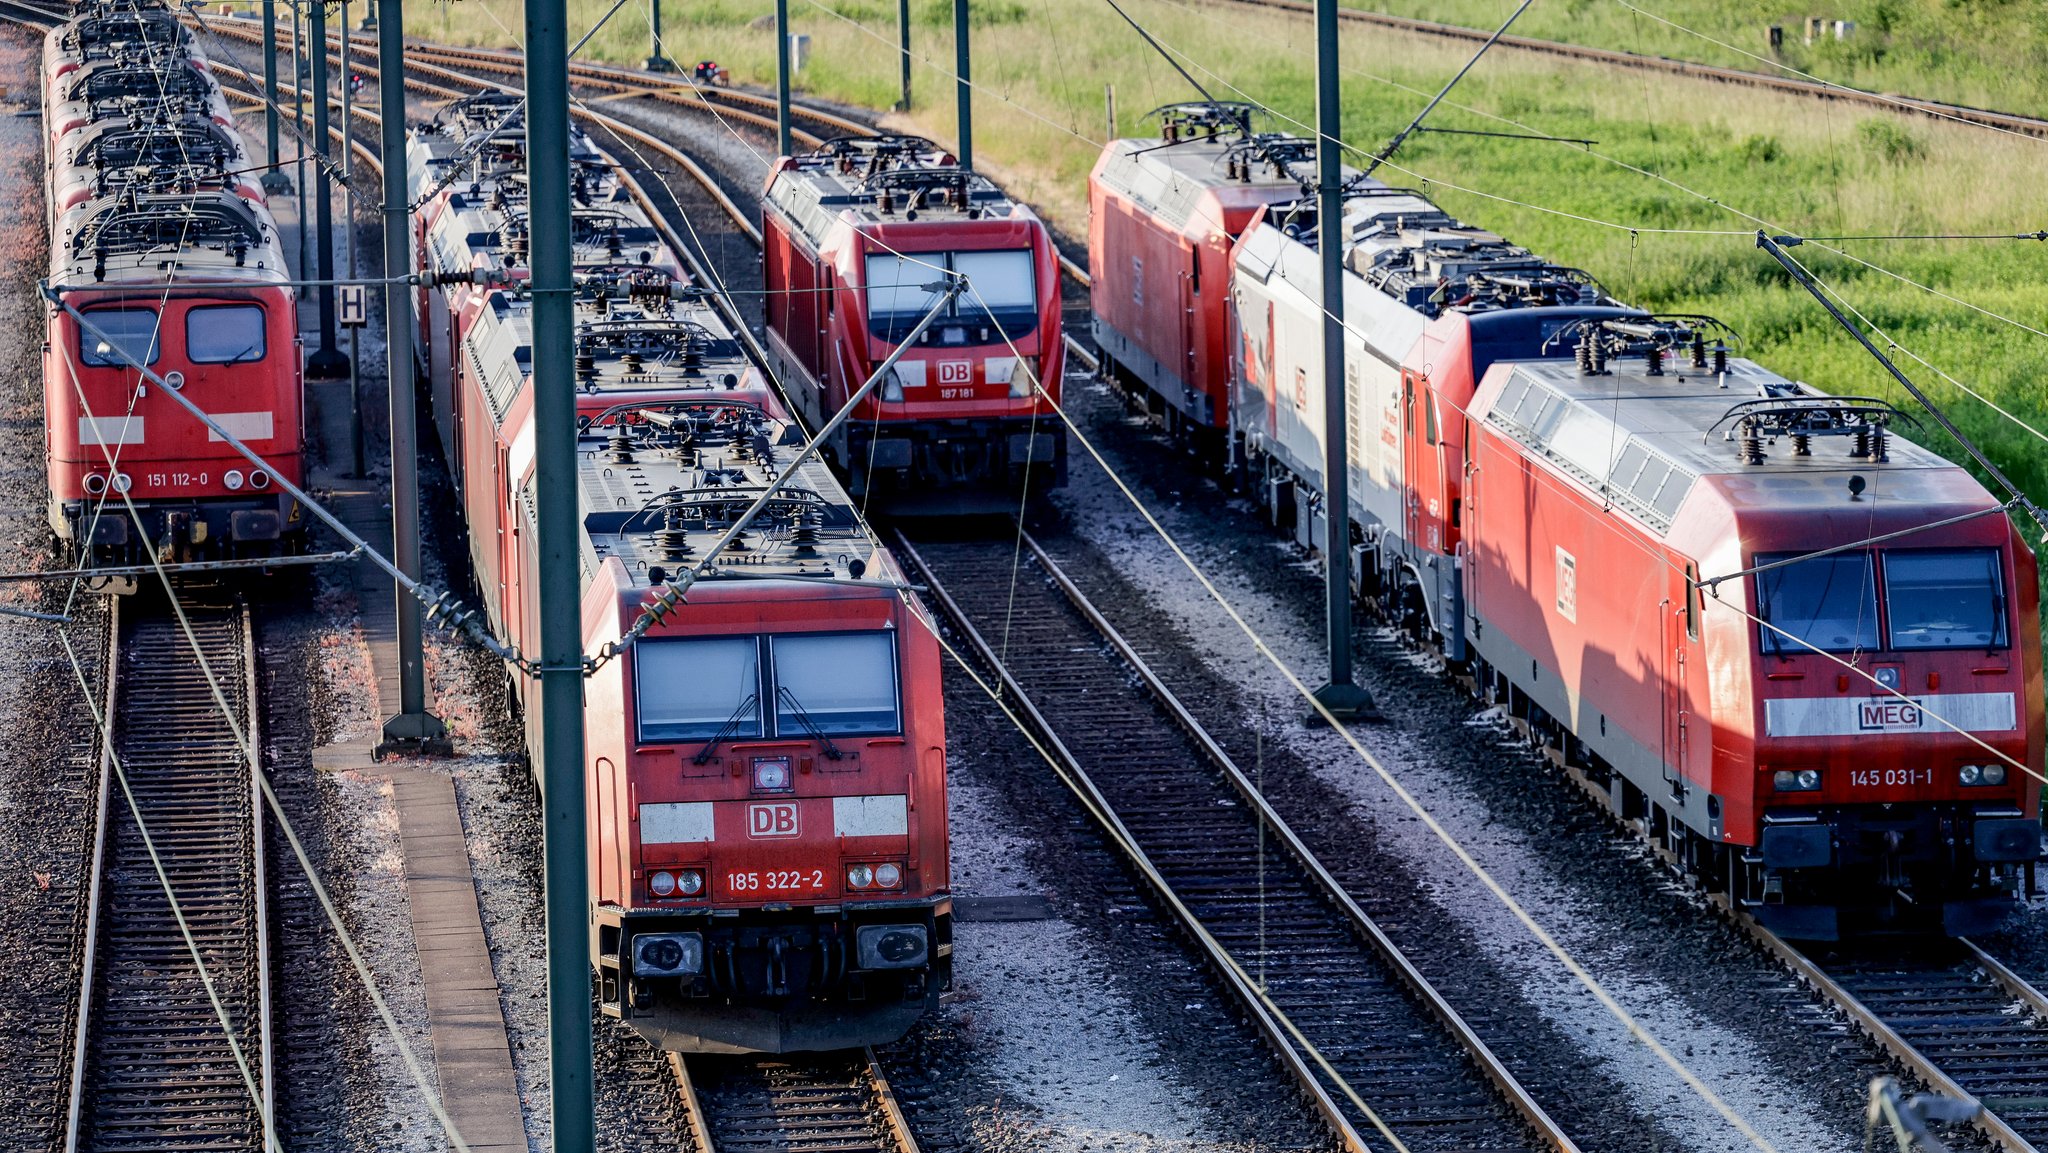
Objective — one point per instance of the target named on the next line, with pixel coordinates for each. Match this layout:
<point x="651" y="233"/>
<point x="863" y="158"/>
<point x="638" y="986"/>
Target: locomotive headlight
<point x="892" y="386"/>
<point x="1796" y="781"/>
<point x="668" y="954"/>
<point x="259" y="479"/>
<point x="663" y="884"/>
<point x="95" y="483"/>
<point x="860" y="877"/>
<point x="1981" y="775"/>
<point x="174" y="380"/>
<point x="233" y="479"/>
<point x="123" y="482"/>
<point x="689" y="882"/>
<point x="888" y="875"/>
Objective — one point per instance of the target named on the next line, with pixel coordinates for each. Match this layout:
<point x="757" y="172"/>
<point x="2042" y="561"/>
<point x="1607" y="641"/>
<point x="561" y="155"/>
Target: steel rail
<point x="1282" y="1036"/>
<point x="1811" y="89"/>
<point x="88" y="980"/>
<point x="1490" y="1065"/>
<point x="803" y="1103"/>
<point x="1873" y="1023"/>
<point x="1230" y="973"/>
<point x="149" y="1062"/>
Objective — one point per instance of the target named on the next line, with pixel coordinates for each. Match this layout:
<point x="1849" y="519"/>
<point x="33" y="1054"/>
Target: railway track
<point x="837" y="1103"/>
<point x="1958" y="1020"/>
<point x="152" y="1065"/>
<point x="1352" y="1019"/>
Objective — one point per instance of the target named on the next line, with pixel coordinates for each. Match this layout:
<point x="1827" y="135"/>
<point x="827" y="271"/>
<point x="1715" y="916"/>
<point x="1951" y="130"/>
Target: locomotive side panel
<point x="1571" y="606"/>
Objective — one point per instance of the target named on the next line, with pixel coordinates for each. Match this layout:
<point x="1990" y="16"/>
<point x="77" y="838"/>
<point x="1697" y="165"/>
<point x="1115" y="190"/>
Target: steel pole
<point x="782" y="136"/>
<point x="299" y="122"/>
<point x="657" y="53"/>
<point x="327" y="362"/>
<point x="348" y="135"/>
<point x="275" y="182"/>
<point x="560" y="574"/>
<point x="903" y="47"/>
<point x="963" y="88"/>
<point x="1342" y="697"/>
<point x="413" y="726"/>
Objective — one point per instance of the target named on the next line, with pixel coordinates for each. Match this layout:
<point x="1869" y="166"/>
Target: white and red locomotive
<point x="858" y="238"/>
<point x="1840" y="734"/>
<point x="766" y="765"/>
<point x="160" y="241"/>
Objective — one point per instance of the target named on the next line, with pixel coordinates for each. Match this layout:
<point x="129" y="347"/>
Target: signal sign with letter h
<point x="352" y="305"/>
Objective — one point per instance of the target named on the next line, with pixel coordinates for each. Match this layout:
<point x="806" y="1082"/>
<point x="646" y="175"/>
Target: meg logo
<point x="1882" y="714"/>
<point x="775" y="819"/>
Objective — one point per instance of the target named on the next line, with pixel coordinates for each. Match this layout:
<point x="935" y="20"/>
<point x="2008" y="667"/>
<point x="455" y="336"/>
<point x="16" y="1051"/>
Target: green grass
<point x="1988" y="53"/>
<point x="1807" y="167"/>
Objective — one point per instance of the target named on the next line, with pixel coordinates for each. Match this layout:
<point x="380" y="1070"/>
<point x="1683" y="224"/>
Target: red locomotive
<point x="767" y="764"/>
<point x="1168" y="212"/>
<point x="158" y="241"/>
<point x="769" y="780"/>
<point x="856" y="235"/>
<point x="1534" y="493"/>
<point x="1836" y="730"/>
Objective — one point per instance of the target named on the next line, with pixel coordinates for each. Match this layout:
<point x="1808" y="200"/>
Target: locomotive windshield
<point x="1002" y="292"/>
<point x="841" y="683"/>
<point x="825" y="684"/>
<point x="692" y="689"/>
<point x="1828" y="603"/>
<point x="224" y="334"/>
<point x="1933" y="599"/>
<point x="1945" y="599"/>
<point x="128" y="335"/>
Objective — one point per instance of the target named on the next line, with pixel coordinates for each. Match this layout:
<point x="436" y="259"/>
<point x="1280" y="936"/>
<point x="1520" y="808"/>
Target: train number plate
<point x="157" y="480"/>
<point x="777" y="881"/>
<point x="1890" y="778"/>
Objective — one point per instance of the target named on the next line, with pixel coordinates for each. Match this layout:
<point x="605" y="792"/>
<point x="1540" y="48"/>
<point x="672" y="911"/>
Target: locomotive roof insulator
<point x="1864" y="420"/>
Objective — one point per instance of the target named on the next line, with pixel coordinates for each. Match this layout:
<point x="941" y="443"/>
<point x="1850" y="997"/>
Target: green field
<point x="1803" y="166"/>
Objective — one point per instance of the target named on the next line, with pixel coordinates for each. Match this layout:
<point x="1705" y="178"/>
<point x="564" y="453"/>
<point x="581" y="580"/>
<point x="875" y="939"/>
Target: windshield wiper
<point x="732" y="724"/>
<point x="803" y="718"/>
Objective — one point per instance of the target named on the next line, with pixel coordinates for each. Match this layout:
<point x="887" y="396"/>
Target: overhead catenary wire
<point x="1471" y="863"/>
<point x="1865" y="674"/>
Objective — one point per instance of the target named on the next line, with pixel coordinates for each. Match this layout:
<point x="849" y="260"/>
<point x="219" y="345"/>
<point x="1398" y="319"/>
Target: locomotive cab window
<point x="1945" y="599"/>
<point x="1002" y="293"/>
<point x="129" y="331"/>
<point x="225" y="334"/>
<point x="837" y="683"/>
<point x="1828" y="603"/>
<point x="898" y="296"/>
<point x="692" y="689"/>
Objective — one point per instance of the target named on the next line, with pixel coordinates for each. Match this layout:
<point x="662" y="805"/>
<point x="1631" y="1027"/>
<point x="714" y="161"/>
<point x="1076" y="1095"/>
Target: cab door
<point x="1681" y="635"/>
<point x="1421" y="464"/>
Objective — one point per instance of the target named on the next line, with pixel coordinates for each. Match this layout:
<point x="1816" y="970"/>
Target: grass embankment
<point x="1807" y="167"/>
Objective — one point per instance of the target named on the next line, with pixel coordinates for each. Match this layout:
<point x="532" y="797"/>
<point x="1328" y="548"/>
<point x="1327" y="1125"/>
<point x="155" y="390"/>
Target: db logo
<point x="956" y="372"/>
<point x="772" y="820"/>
